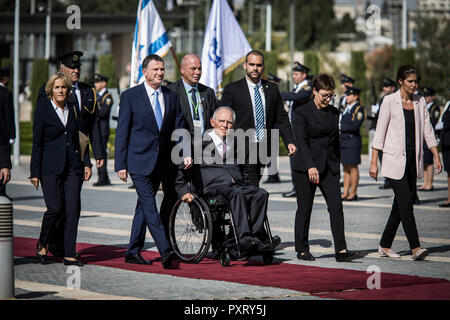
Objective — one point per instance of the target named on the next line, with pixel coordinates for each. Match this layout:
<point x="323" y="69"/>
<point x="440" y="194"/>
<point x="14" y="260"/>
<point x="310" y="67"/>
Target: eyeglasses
<point x="327" y="96"/>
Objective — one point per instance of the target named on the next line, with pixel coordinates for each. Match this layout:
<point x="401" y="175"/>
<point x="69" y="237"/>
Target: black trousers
<point x="402" y="207"/>
<point x="248" y="207"/>
<point x="103" y="170"/>
<point x="62" y="198"/>
<point x="305" y="191"/>
<point x="2" y="188"/>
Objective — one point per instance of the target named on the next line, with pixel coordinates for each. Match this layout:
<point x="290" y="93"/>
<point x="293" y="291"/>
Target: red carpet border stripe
<point x="319" y="281"/>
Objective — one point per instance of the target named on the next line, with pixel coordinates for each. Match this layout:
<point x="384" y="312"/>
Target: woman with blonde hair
<point x="56" y="164"/>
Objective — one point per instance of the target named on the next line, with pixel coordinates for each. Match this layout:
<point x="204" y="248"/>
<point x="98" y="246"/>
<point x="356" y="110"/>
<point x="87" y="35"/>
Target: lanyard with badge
<point x="195" y="107"/>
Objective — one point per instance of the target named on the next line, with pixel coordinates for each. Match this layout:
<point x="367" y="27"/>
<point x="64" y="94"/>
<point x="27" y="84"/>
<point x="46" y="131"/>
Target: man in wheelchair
<point x="248" y="205"/>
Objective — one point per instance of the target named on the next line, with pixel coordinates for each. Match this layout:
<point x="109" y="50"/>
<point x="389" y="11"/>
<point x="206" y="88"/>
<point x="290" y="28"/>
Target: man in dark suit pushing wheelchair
<point x="220" y="176"/>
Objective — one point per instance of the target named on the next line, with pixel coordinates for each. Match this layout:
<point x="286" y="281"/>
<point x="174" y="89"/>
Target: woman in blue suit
<point x="351" y="142"/>
<point x="56" y="163"/>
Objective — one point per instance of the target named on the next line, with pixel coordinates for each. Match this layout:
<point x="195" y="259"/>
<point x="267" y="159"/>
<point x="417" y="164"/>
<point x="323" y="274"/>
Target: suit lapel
<point x="53" y="114"/>
<point x="147" y="105"/>
<point x="167" y="106"/>
<point x="185" y="103"/>
<point x="246" y="97"/>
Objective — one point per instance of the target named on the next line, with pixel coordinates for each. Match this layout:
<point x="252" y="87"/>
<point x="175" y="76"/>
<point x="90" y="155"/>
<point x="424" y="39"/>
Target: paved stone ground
<point x="106" y="220"/>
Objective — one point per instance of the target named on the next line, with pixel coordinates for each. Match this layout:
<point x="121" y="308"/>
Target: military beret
<point x="427" y="91"/>
<point x="388" y="83"/>
<point x="352" y="90"/>
<point x="98" y="77"/>
<point x="272" y="77"/>
<point x="5" y="72"/>
<point x="299" y="67"/>
<point x="345" y="78"/>
<point x="71" y="59"/>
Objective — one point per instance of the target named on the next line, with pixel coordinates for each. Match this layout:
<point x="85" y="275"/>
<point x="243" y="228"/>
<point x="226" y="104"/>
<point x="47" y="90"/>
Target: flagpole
<point x="175" y="57"/>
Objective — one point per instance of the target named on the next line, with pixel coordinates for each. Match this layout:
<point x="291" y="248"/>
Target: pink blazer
<point x="390" y="135"/>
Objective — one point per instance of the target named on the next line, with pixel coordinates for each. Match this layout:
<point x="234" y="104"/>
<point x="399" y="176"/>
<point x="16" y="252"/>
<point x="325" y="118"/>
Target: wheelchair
<point x="207" y="221"/>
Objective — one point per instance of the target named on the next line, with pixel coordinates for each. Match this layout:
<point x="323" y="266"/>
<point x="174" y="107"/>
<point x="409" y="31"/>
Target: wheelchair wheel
<point x="225" y="259"/>
<point x="190" y="229"/>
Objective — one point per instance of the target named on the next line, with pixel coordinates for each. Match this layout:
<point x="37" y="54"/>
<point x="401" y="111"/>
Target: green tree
<point x="311" y="60"/>
<point x="433" y="55"/>
<point x="7" y="62"/>
<point x="347" y="24"/>
<point x="39" y="76"/>
<point x="358" y="72"/>
<point x="402" y="57"/>
<point x="107" y="67"/>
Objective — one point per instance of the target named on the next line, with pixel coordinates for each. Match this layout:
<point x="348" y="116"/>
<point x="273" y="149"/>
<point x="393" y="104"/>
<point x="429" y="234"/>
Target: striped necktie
<point x="158" y="112"/>
<point x="259" y="112"/>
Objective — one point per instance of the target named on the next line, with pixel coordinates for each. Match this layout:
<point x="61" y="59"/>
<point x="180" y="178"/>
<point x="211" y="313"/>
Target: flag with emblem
<point x="224" y="45"/>
<point x="150" y="37"/>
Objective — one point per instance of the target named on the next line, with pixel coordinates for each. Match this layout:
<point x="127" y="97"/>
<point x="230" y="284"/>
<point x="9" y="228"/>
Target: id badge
<point x="197" y="123"/>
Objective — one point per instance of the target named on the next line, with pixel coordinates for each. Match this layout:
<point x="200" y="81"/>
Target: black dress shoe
<point x="41" y="257"/>
<point x="249" y="243"/>
<point x="347" y="256"/>
<point x="385" y="186"/>
<point x="58" y="254"/>
<point x="276" y="240"/>
<point x="169" y="259"/>
<point x="305" y="256"/>
<point x="273" y="179"/>
<point x="445" y="205"/>
<point x="75" y="262"/>
<point x="101" y="184"/>
<point x="264" y="246"/>
<point x="355" y="198"/>
<point x="289" y="194"/>
<point x="136" y="259"/>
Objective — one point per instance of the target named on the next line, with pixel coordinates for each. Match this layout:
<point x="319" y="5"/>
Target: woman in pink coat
<point x="402" y="126"/>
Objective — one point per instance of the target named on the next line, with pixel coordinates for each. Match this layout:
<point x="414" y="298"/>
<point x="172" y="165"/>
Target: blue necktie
<point x="75" y="87"/>
<point x="259" y="111"/>
<point x="158" y="112"/>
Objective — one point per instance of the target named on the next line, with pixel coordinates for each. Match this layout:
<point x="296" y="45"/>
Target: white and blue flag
<point x="150" y="37"/>
<point x="225" y="45"/>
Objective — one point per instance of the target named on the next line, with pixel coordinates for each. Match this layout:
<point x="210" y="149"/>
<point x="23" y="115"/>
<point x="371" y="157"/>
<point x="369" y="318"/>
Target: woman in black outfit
<point x="316" y="164"/>
<point x="56" y="164"/>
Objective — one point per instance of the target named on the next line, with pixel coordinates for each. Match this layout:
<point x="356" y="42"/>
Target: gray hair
<point x="225" y="108"/>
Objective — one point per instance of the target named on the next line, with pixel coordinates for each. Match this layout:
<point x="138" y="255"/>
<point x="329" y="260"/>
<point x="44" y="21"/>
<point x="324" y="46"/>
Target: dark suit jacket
<point x="317" y="137"/>
<point x="298" y="98"/>
<point x="139" y="144"/>
<point x="203" y="178"/>
<point x="86" y="116"/>
<point x="445" y="132"/>
<point x="53" y="144"/>
<point x="208" y="98"/>
<point x="237" y="96"/>
<point x="7" y="126"/>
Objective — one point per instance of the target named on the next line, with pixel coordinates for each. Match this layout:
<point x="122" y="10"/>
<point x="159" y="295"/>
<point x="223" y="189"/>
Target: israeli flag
<point x="225" y="45"/>
<point x="150" y="37"/>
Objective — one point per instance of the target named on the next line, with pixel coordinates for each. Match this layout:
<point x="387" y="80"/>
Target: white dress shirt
<point x="251" y="89"/>
<point x="151" y="97"/>
<point x="218" y="142"/>
<point x="63" y="115"/>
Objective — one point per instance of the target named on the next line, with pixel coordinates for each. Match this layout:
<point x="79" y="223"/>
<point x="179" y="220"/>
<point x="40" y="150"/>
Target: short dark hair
<point x="254" y="52"/>
<point x="323" y="82"/>
<point x="404" y="71"/>
<point x="149" y="58"/>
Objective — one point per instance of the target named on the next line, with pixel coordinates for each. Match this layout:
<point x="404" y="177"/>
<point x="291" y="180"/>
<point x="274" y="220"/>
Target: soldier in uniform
<point x="84" y="98"/>
<point x="346" y="81"/>
<point x="7" y="130"/>
<point x="351" y="143"/>
<point x="435" y="113"/>
<point x="388" y="87"/>
<point x="301" y="94"/>
<point x="105" y="102"/>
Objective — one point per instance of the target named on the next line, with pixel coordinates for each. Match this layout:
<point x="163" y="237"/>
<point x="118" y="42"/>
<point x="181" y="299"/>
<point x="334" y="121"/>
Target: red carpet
<point x="323" y="282"/>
